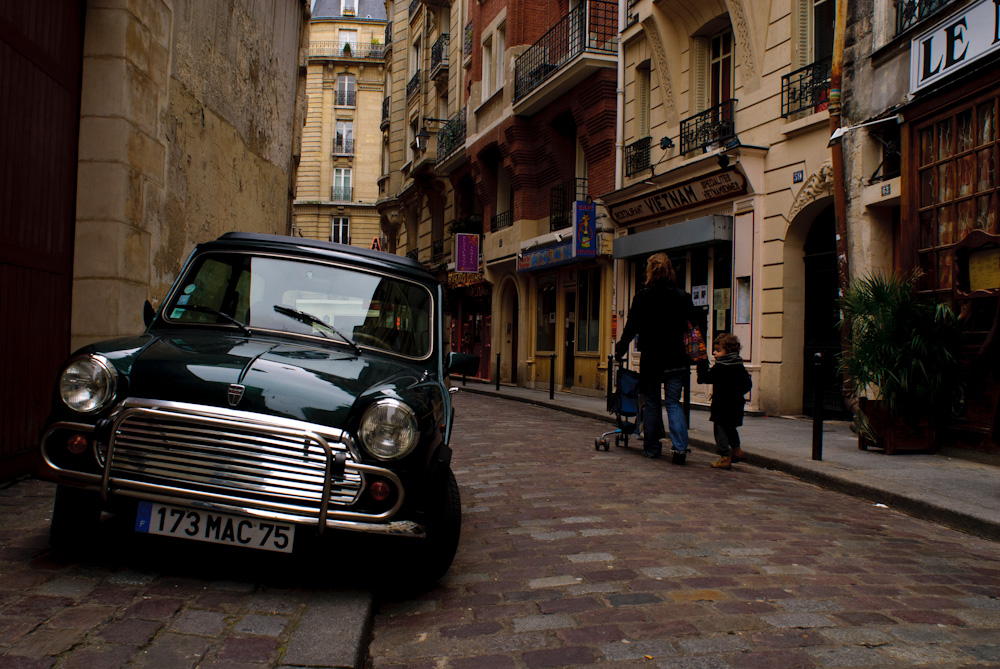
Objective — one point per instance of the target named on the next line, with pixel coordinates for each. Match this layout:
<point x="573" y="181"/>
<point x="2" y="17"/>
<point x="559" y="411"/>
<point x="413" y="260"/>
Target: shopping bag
<point x="694" y="343"/>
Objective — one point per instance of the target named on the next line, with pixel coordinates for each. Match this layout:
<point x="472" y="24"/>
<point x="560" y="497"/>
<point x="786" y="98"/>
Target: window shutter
<point x="700" y="74"/>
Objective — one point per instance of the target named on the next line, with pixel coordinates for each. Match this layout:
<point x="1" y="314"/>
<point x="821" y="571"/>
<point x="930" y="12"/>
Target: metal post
<point x="496" y="371"/>
<point x="817" y="450"/>
<point x="552" y="377"/>
<point x="611" y="362"/>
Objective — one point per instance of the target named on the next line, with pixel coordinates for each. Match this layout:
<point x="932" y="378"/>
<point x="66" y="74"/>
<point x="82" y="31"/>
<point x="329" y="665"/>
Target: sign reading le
<point x="954" y="43"/>
<point x="711" y="187"/>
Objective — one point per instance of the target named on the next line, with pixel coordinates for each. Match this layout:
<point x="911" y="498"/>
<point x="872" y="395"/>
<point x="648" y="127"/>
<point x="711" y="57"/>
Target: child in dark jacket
<point x="730" y="382"/>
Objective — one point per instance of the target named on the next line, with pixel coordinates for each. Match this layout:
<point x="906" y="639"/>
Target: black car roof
<point x="367" y="257"/>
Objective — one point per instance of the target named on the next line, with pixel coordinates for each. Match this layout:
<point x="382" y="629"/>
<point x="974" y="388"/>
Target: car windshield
<point x="373" y="310"/>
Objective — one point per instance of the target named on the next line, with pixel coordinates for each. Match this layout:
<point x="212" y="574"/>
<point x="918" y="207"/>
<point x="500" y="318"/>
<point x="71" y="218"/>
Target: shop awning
<point x="676" y="236"/>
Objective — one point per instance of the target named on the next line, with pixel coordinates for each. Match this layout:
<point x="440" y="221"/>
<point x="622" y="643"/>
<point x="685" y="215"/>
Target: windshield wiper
<point x="309" y="319"/>
<point x="215" y="312"/>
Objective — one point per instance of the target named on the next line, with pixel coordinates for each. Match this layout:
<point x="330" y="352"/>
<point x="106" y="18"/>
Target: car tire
<point x="76" y="515"/>
<point x="443" y="526"/>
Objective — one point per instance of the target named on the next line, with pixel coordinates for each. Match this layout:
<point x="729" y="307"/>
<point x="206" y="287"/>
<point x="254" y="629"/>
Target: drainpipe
<point x="619" y="151"/>
<point x="837" y="159"/>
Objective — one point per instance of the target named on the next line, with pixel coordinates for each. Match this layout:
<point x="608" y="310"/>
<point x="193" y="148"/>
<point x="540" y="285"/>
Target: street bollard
<point x="496" y="372"/>
<point x="552" y="377"/>
<point x="817" y="449"/>
<point x="611" y="362"/>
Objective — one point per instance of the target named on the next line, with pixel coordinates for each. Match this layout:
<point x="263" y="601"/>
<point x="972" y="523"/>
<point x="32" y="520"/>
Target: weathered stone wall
<point x="188" y="130"/>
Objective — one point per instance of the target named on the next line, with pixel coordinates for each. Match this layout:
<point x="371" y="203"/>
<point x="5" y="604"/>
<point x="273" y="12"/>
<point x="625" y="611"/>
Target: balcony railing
<point x="437" y="249"/>
<point x="413" y="7"/>
<point x="346" y="50"/>
<point x="451" y="136"/>
<point x="345" y="98"/>
<point x="413" y="86"/>
<point x="807" y="88"/>
<point x="911" y="12"/>
<point x="561" y="200"/>
<point x="341" y="193"/>
<point x="712" y="126"/>
<point x="388" y="33"/>
<point x="631" y="13"/>
<point x="467" y="41"/>
<point x="413" y="253"/>
<point x="501" y="221"/>
<point x="343" y="147"/>
<point x="439" y="54"/>
<point x="592" y="26"/>
<point x="385" y="110"/>
<point x="637" y="156"/>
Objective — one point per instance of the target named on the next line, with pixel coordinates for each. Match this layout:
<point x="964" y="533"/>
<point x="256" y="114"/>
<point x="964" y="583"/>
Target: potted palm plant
<point x="900" y="360"/>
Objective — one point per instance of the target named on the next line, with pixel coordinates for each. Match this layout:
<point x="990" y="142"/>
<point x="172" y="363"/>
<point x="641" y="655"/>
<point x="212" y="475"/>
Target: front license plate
<point x="216" y="528"/>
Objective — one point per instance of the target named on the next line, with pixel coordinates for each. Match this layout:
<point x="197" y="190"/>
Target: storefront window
<point x="589" y="311"/>
<point x="545" y="330"/>
<point x="957" y="184"/>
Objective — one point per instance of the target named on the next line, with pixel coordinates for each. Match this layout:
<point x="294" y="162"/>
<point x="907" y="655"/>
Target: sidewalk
<point x="957" y="492"/>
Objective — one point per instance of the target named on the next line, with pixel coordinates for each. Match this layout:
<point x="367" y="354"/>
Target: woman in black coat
<point x="659" y="315"/>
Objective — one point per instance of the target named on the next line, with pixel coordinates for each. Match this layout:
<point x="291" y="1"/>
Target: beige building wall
<point x="187" y="131"/>
<point x="785" y="159"/>
<point x="316" y="206"/>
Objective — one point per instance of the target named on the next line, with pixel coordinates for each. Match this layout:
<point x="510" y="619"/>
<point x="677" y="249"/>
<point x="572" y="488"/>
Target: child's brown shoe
<point x="723" y="463"/>
<point x="737" y="454"/>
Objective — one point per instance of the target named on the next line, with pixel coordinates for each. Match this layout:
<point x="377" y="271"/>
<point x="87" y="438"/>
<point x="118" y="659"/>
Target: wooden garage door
<point x="40" y="56"/>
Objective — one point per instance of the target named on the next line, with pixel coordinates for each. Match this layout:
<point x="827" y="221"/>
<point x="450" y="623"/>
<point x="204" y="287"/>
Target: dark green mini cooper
<point x="286" y="388"/>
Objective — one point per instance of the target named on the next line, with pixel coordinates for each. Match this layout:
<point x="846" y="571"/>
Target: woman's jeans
<point x="652" y="421"/>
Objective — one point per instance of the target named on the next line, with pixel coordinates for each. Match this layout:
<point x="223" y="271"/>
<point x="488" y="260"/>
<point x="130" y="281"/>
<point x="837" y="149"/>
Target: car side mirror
<point x="463" y="364"/>
<point x="148" y="313"/>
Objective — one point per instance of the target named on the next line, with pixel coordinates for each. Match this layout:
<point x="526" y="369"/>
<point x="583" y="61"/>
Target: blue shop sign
<point x="551" y="256"/>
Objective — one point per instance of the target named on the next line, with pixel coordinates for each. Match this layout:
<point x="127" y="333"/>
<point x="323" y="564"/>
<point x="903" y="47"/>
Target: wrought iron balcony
<point x="344" y="147"/>
<point x="388" y="33"/>
<point x="451" y="136"/>
<point x="712" y="126"/>
<point x="467" y="41"/>
<point x="561" y="198"/>
<point x="631" y="13"/>
<point x="413" y="7"/>
<point x="439" y="56"/>
<point x="806" y="89"/>
<point x="501" y="221"/>
<point x="437" y="249"/>
<point x="911" y="12"/>
<point x="413" y="86"/>
<point x="637" y="156"/>
<point x="341" y="193"/>
<point x="592" y="27"/>
<point x="413" y="253"/>
<point x="346" y="50"/>
<point x="385" y="111"/>
<point x="345" y="98"/>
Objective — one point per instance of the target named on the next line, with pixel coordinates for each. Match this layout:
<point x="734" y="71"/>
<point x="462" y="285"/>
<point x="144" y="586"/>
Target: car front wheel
<point x="444" y="526"/>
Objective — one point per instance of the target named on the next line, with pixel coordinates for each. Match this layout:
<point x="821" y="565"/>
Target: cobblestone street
<point x="571" y="557"/>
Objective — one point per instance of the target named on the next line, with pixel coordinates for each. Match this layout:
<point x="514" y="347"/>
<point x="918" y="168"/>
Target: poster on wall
<point x="584" y="233"/>
<point x="466" y="252"/>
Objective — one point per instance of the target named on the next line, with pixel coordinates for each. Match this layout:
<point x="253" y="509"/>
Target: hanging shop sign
<point x="696" y="192"/>
<point x="584" y="232"/>
<point x="466" y="252"/>
<point x="954" y="43"/>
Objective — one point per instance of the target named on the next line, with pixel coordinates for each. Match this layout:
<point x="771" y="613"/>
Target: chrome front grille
<point x="238" y="458"/>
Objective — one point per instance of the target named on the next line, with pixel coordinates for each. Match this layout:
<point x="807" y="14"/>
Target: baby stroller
<point x="625" y="406"/>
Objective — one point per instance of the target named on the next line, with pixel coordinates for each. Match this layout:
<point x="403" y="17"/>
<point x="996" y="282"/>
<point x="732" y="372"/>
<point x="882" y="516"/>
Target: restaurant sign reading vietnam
<point x="709" y="188"/>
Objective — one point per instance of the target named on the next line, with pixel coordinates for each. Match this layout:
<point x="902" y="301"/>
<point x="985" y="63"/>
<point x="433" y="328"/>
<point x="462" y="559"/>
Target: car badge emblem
<point x="235" y="393"/>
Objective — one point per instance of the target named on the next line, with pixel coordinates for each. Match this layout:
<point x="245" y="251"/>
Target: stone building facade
<point x="337" y="184"/>
<point x="724" y="165"/>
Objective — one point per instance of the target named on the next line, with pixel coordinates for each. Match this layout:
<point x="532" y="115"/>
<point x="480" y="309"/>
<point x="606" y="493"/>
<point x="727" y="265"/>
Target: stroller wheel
<point x="605" y="444"/>
<point x="597" y="444"/>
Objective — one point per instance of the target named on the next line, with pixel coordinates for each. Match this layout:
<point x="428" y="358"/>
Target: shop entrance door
<point x="569" y="347"/>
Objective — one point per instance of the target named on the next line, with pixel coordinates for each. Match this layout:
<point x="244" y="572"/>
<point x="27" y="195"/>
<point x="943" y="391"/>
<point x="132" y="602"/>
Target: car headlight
<point x="87" y="384"/>
<point x="388" y="429"/>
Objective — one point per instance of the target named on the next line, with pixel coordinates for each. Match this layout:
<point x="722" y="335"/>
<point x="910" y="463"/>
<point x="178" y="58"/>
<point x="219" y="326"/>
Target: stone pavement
<point x="573" y="557"/>
<point x="137" y="603"/>
<point x="947" y="487"/>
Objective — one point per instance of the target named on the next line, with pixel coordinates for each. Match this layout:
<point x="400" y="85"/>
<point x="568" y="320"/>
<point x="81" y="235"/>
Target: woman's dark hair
<point x="659" y="269"/>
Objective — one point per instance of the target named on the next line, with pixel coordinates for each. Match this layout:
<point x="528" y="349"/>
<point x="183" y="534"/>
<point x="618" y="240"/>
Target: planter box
<point x="896" y="434"/>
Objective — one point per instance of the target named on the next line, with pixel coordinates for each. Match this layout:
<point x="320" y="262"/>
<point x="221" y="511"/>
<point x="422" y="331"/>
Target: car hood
<point x="311" y="383"/>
